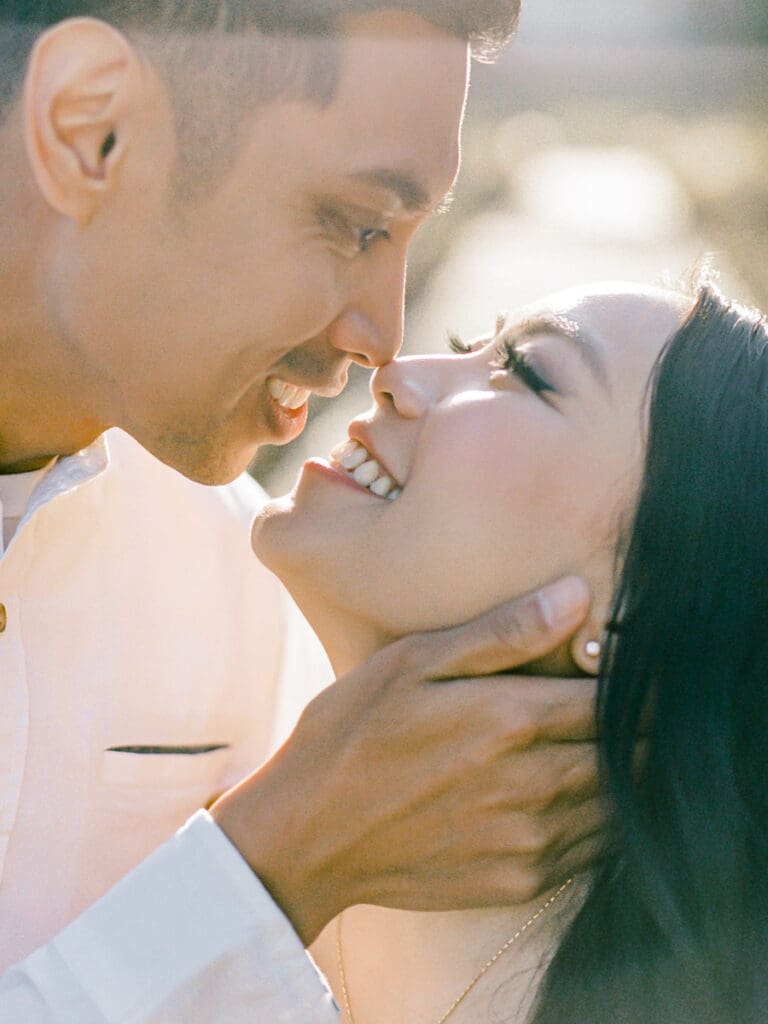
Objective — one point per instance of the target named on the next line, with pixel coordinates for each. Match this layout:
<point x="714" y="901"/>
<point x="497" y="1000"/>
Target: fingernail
<point x="562" y="602"/>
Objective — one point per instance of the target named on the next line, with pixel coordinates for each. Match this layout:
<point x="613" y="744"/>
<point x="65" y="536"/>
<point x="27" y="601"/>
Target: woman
<point x="621" y="434"/>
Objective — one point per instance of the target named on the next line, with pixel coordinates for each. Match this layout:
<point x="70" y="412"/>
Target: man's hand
<point x="409" y="784"/>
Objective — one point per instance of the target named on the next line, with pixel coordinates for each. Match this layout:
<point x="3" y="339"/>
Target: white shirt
<point x="15" y="491"/>
<point x="140" y="675"/>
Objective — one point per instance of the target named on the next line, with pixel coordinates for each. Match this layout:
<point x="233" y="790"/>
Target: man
<point x="206" y="210"/>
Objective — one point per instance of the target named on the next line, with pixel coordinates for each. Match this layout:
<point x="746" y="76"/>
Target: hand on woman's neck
<point x="349" y="640"/>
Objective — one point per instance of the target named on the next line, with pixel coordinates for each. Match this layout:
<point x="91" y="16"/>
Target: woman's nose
<point x="407" y="385"/>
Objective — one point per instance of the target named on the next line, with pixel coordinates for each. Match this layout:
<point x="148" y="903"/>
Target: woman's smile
<point x="519" y="454"/>
<point x="365" y="469"/>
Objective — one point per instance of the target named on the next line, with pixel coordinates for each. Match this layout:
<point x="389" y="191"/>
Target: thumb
<point x="509" y="635"/>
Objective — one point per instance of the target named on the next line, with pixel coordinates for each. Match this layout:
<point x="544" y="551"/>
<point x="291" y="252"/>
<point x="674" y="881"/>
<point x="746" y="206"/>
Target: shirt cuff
<point x="192" y="935"/>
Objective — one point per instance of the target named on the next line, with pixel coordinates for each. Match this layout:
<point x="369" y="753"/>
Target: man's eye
<point x="352" y="236"/>
<point x="367" y="236"/>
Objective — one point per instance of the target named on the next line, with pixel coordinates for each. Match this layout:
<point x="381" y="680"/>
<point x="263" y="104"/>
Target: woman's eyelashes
<point x="510" y="358"/>
<point x="459" y="347"/>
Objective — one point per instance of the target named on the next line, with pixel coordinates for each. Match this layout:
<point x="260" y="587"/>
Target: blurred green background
<point x="611" y="140"/>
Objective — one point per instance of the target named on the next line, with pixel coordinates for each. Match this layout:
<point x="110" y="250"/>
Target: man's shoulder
<point x="132" y="468"/>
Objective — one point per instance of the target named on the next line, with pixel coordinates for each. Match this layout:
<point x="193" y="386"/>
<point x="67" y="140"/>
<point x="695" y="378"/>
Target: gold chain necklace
<point x="480" y="974"/>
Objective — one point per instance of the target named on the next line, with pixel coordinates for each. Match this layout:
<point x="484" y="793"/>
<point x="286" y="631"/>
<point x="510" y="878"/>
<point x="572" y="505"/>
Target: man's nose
<point x="370" y="327"/>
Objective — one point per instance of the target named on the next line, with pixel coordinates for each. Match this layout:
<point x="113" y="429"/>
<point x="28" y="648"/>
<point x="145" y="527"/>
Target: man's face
<point x="204" y="324"/>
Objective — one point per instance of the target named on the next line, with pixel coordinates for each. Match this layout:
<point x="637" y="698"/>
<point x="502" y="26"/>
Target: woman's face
<point x="515" y="462"/>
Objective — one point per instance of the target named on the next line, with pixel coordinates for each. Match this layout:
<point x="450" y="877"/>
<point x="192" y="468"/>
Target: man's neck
<point x="40" y="416"/>
<point x="25" y="450"/>
<point x="29" y="466"/>
<point x="43" y="396"/>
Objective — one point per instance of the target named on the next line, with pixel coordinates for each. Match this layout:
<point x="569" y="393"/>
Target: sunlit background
<point x="612" y="140"/>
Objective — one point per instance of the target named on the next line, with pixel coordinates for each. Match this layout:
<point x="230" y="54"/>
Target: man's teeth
<point x="365" y="470"/>
<point x="289" y="396"/>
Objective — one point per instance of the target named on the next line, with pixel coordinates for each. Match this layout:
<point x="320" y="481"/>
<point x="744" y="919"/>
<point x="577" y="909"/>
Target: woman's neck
<point x="347" y="639"/>
<point x="406" y="965"/>
<point x="351" y="647"/>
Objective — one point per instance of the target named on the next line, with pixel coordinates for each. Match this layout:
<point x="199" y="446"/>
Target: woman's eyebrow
<point x="563" y="327"/>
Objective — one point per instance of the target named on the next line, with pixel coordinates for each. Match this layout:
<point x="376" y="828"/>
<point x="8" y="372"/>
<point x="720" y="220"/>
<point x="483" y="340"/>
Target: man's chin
<point x="205" y="462"/>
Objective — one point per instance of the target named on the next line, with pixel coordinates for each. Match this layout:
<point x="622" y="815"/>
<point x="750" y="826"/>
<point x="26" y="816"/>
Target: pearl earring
<point x="592" y="648"/>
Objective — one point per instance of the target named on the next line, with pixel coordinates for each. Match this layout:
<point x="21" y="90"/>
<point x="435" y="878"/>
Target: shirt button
<point x="3" y="618"/>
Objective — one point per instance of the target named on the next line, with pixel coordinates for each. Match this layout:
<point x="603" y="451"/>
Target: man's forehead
<point x="390" y="133"/>
<point x="397" y="114"/>
<point x="433" y="57"/>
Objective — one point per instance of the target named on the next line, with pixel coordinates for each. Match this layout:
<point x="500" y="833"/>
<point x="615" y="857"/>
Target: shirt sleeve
<point x="190" y="936"/>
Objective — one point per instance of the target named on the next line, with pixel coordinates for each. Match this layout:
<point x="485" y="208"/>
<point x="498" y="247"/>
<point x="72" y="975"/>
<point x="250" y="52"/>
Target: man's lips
<point x="285" y="424"/>
<point x="291" y="396"/>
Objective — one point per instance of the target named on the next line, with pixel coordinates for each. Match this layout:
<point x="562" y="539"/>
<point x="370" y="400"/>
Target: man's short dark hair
<point x="280" y="59"/>
<point x="487" y="24"/>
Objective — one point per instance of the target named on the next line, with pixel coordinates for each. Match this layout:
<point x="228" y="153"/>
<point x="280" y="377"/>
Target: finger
<point x="547" y="777"/>
<point x="561" y="711"/>
<point x="544" y="839"/>
<point x="571" y="826"/>
<point x="517" y="712"/>
<point x="582" y="856"/>
<point x="509" y="635"/>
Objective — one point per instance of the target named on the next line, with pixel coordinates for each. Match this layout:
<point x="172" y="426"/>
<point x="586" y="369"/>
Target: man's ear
<point x="82" y="84"/>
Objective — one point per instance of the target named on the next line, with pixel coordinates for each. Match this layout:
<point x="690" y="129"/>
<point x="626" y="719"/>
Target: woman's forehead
<point x="621" y="316"/>
<point x="612" y="298"/>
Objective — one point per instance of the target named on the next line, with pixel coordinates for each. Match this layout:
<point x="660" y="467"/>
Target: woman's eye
<point x="513" y="360"/>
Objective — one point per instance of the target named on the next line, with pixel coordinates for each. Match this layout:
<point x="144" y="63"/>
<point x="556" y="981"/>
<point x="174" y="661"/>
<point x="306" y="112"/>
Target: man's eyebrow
<point x="563" y="327"/>
<point x="412" y="194"/>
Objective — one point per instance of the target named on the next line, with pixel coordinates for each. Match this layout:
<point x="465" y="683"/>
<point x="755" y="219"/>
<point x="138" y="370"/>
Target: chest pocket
<point x="149" y="792"/>
<point x="138" y="766"/>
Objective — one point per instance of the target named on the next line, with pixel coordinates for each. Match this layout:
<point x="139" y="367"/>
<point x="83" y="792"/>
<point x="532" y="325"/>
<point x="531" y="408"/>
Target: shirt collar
<point x="17" y="488"/>
<point x="70" y="472"/>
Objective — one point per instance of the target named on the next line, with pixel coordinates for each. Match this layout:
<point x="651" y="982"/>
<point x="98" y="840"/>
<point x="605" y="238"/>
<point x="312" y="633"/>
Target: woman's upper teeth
<point x="365" y="470"/>
<point x="289" y="396"/>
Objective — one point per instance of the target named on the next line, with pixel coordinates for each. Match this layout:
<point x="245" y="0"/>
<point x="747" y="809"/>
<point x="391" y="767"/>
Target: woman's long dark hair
<point x="675" y="928"/>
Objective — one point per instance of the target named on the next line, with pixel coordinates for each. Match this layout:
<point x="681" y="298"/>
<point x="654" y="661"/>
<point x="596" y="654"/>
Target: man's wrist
<point x="255" y="825"/>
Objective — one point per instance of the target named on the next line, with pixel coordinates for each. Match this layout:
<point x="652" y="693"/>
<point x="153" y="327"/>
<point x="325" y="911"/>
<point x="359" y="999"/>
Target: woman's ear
<point x="586" y="646"/>
<point x="82" y="84"/>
